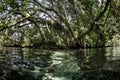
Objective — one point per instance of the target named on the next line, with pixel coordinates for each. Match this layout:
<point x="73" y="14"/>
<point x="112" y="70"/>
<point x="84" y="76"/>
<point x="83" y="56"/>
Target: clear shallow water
<point x="37" y="64"/>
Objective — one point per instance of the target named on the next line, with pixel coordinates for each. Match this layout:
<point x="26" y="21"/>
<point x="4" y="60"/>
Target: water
<point x="37" y="64"/>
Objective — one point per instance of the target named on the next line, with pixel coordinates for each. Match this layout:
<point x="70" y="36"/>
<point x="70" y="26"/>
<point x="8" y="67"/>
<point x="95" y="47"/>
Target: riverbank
<point x="48" y="46"/>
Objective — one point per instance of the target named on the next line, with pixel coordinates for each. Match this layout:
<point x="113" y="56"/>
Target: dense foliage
<point x="61" y="23"/>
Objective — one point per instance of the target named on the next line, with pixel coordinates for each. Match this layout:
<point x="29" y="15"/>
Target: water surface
<point x="37" y="64"/>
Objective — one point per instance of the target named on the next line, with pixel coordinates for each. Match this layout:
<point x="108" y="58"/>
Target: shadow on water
<point x="83" y="64"/>
<point x="90" y="59"/>
<point x="98" y="64"/>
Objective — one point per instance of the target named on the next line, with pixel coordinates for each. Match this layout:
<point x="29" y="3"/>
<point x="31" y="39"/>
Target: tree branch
<point x="3" y="28"/>
<point x="93" y="23"/>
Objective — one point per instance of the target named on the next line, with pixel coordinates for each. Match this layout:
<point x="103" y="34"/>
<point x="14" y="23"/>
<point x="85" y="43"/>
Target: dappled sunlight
<point x="59" y="40"/>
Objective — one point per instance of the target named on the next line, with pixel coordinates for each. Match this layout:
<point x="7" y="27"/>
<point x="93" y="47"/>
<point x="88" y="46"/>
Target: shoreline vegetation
<point x="54" y="46"/>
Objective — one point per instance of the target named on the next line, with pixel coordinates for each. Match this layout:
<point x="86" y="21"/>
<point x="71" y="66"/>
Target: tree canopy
<point x="66" y="23"/>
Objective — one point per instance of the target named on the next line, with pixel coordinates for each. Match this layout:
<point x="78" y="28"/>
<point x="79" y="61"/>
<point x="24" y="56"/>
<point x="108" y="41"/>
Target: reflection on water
<point x="35" y="64"/>
<point x="91" y="59"/>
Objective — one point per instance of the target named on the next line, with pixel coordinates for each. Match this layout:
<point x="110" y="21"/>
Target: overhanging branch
<point x="93" y="23"/>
